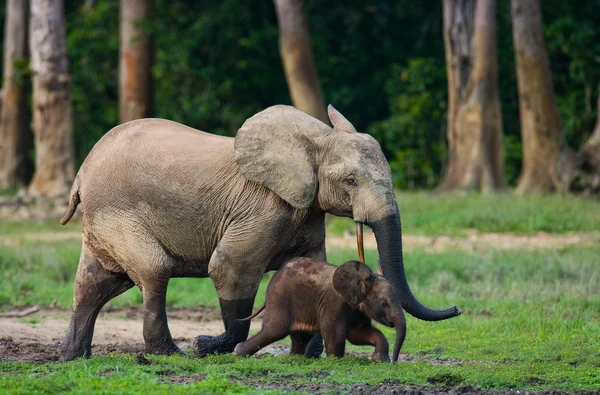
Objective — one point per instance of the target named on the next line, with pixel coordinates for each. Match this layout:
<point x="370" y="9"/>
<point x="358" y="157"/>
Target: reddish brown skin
<point x="301" y="301"/>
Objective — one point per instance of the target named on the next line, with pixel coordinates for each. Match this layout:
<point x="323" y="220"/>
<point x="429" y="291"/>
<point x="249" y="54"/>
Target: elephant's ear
<point x="353" y="280"/>
<point x="338" y="121"/>
<point x="277" y="149"/>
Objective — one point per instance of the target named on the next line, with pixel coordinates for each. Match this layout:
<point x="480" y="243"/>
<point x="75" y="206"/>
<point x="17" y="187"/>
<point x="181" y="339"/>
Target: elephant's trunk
<point x="400" y="325"/>
<point x="388" y="234"/>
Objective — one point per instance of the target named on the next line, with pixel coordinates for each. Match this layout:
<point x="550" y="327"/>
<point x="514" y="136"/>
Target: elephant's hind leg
<point x="275" y="327"/>
<point x="94" y="287"/>
<point x="156" y="330"/>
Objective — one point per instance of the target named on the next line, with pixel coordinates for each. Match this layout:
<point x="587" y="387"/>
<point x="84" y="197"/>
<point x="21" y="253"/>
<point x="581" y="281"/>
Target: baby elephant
<point x="307" y="297"/>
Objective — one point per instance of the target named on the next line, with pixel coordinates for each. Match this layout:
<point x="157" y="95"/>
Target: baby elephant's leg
<point x="334" y="333"/>
<point x="299" y="342"/>
<point x="262" y="339"/>
<point x="369" y="335"/>
<point x="272" y="330"/>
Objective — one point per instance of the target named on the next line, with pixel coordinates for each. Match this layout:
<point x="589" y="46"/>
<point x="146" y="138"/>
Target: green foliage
<point x="574" y="46"/>
<point x="381" y="63"/>
<point x="217" y="62"/>
<point x="411" y="136"/>
<point x="93" y="50"/>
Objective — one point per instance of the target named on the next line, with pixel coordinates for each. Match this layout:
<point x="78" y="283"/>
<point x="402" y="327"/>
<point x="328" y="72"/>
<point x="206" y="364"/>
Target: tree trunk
<point x="474" y="120"/>
<point x="590" y="152"/>
<point x="548" y="163"/>
<point x="297" y="58"/>
<point x="52" y="113"/>
<point x="135" y="78"/>
<point x="13" y="122"/>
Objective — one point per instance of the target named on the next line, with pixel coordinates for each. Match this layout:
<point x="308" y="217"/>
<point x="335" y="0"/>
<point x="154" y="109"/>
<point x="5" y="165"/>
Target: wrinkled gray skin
<point x="307" y="297"/>
<point x="163" y="200"/>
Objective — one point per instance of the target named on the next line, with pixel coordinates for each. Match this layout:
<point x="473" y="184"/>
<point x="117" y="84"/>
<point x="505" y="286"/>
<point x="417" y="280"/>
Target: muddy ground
<point x="36" y="338"/>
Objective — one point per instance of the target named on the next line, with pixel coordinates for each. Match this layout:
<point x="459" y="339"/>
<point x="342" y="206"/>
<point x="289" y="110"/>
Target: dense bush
<point x="380" y="62"/>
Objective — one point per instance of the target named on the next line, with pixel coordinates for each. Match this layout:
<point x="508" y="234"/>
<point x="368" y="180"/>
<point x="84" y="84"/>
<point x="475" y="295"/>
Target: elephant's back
<point x="155" y="136"/>
<point x="153" y="174"/>
<point x="152" y="154"/>
<point x="306" y="273"/>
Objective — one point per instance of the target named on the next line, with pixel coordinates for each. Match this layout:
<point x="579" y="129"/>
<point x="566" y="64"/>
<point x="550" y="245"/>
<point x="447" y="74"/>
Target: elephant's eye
<point x="350" y="180"/>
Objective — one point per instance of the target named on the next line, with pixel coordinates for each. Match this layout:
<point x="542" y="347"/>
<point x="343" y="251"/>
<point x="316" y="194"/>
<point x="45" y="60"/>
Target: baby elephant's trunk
<point x="400" y="325"/>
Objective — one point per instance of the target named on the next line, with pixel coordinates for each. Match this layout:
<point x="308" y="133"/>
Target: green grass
<point x="450" y="214"/>
<point x="17" y="228"/>
<point x="531" y="319"/>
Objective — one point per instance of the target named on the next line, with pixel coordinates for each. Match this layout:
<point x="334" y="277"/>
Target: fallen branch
<point x="18" y="314"/>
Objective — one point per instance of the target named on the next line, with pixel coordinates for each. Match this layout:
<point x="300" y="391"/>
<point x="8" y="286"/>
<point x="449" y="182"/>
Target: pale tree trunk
<point x="52" y="113"/>
<point x="590" y="152"/>
<point x="13" y="122"/>
<point x="135" y="78"/>
<point x="548" y="163"/>
<point x="476" y="159"/>
<point x="297" y="57"/>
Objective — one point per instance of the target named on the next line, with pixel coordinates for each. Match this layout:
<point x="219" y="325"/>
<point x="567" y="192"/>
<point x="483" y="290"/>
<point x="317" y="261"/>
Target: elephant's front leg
<point x="235" y="331"/>
<point x="369" y="335"/>
<point x="236" y="269"/>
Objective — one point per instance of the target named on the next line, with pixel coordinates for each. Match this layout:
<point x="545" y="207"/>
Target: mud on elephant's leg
<point x="157" y="336"/>
<point x="236" y="269"/>
<point x="94" y="287"/>
<point x="235" y="331"/>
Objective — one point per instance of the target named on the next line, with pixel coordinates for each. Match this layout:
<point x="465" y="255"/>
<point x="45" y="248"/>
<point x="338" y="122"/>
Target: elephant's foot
<point x="162" y="348"/>
<point x="76" y="344"/>
<point x="71" y="352"/>
<point x="379" y="356"/>
<point x="235" y="331"/>
<point x="205" y="345"/>
<point x="315" y="347"/>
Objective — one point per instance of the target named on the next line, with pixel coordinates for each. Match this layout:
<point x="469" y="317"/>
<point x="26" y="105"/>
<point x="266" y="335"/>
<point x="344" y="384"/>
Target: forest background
<point x="381" y="63"/>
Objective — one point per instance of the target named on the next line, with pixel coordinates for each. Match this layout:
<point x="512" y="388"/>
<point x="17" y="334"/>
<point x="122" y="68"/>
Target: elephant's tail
<point x="73" y="202"/>
<point x="253" y="315"/>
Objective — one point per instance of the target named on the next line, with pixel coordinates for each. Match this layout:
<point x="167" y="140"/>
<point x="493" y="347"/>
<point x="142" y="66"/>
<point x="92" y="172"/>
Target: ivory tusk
<point x="359" y="242"/>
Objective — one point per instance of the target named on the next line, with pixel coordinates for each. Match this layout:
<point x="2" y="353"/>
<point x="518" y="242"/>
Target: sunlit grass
<point x="531" y="318"/>
<point x="450" y="214"/>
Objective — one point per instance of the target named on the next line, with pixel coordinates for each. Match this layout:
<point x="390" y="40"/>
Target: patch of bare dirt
<point x="475" y="241"/>
<point x="470" y="241"/>
<point x="11" y="241"/>
<point x="37" y="337"/>
<point x="119" y="330"/>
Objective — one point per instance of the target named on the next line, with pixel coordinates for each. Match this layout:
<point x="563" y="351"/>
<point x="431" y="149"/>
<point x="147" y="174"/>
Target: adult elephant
<point x="163" y="200"/>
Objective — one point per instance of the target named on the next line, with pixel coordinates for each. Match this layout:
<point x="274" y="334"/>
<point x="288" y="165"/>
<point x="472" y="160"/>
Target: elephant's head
<point x="373" y="295"/>
<point x="338" y="170"/>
